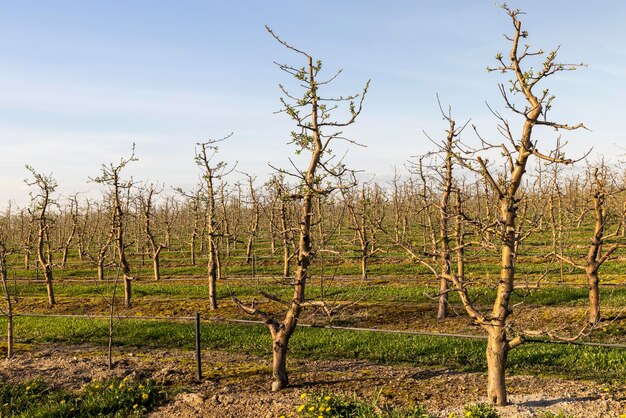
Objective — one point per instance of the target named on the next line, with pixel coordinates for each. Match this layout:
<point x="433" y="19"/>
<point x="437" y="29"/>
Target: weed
<point x="325" y="404"/>
<point x="109" y="398"/>
<point x="479" y="410"/>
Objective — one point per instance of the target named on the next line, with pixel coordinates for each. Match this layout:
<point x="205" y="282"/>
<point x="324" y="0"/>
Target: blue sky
<point x="81" y="81"/>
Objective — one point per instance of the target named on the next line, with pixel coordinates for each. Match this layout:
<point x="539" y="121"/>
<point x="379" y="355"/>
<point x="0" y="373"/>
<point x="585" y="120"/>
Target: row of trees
<point x="459" y="200"/>
<point x="370" y="222"/>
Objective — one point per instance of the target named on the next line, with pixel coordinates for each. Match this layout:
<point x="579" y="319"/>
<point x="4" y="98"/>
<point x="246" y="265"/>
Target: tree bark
<point x="127" y="291"/>
<point x="49" y="288"/>
<point x="100" y="269"/>
<point x="497" y="351"/>
<point x="442" y="310"/>
<point x="594" y="297"/>
<point x="279" y="365"/>
<point x="156" y="266"/>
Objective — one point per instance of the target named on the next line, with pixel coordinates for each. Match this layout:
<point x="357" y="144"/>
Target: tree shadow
<point x="429" y="374"/>
<point x="550" y="402"/>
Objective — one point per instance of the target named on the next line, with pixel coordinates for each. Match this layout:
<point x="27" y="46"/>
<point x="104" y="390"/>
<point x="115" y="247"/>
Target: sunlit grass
<point x="318" y="343"/>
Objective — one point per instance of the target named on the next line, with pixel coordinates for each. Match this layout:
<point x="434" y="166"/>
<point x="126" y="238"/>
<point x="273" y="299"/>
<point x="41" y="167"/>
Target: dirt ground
<point x="236" y="385"/>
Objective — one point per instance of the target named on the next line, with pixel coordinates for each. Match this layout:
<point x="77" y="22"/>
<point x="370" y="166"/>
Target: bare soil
<point x="236" y="385"/>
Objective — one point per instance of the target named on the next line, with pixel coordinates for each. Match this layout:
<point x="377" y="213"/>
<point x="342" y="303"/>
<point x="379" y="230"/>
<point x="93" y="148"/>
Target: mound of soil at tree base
<point x="236" y="385"/>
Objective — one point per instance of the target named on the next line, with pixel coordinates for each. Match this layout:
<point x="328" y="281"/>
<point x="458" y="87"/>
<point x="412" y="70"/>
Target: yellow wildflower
<point x="135" y="406"/>
<point x="311" y="408"/>
<point x="327" y="408"/>
<point x="327" y="398"/>
<point x="468" y="414"/>
<point x="140" y="386"/>
<point x="322" y="408"/>
<point x="144" y="396"/>
<point x="282" y="416"/>
<point x="27" y="388"/>
<point x="125" y="379"/>
<point x="300" y="408"/>
<point x="303" y="396"/>
<point x="62" y="402"/>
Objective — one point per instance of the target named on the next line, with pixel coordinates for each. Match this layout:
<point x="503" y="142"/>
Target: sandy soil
<point x="236" y="385"/>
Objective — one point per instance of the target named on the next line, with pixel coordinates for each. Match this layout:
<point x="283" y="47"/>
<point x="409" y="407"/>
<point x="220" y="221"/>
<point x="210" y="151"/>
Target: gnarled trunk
<point x="279" y="363"/>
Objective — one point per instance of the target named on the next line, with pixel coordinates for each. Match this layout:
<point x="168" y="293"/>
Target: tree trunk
<point x="10" y="334"/>
<point x="212" y="294"/>
<point x="127" y="291"/>
<point x="364" y="264"/>
<point x="64" y="256"/>
<point x="286" y="257"/>
<point x="249" y="250"/>
<point x="594" y="297"/>
<point x="442" y="310"/>
<point x="156" y="266"/>
<point x="279" y="364"/>
<point x="192" y="250"/>
<point x="9" y="303"/>
<point x="497" y="351"/>
<point x="48" y="275"/>
<point x="101" y="269"/>
<point x="212" y="267"/>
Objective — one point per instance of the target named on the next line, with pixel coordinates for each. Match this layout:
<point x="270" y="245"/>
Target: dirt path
<point x="236" y="385"/>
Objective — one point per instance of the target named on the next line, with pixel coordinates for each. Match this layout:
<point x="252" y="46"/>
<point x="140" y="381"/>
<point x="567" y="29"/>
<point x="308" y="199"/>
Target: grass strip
<point x="613" y="297"/>
<point x="574" y="362"/>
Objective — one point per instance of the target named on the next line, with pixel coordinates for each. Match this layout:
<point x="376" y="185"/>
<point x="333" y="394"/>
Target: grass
<point x="315" y="343"/>
<point x="365" y="291"/>
<point x="109" y="398"/>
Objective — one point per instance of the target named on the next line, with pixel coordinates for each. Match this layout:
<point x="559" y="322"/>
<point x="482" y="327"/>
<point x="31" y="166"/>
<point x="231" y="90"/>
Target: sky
<point x="80" y="81"/>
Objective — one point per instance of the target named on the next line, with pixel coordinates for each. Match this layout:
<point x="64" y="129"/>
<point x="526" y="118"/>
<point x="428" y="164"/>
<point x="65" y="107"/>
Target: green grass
<point x="372" y="291"/>
<point x="317" y="343"/>
<point x="109" y="398"/>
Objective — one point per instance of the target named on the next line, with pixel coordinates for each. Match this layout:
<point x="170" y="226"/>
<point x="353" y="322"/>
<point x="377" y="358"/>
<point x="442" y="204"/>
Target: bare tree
<point x="194" y="209"/>
<point x="73" y="219"/>
<point x="146" y="199"/>
<point x="42" y="201"/>
<point x="286" y="233"/>
<point x="254" y="223"/>
<point x="360" y="213"/>
<point x="311" y="114"/>
<point x="8" y="309"/>
<point x="104" y="225"/>
<point x="211" y="172"/>
<point x="446" y="156"/>
<point x="110" y="177"/>
<point x="599" y="191"/>
<point x="506" y="188"/>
